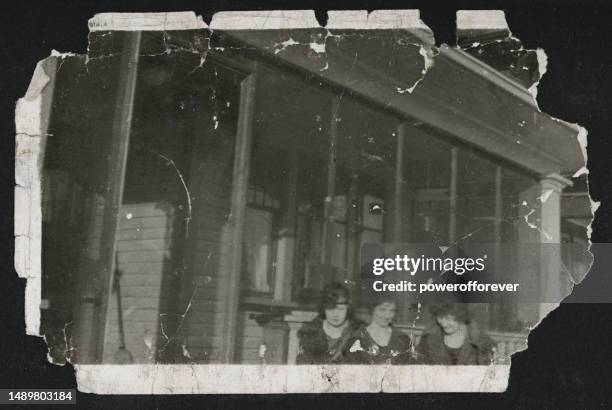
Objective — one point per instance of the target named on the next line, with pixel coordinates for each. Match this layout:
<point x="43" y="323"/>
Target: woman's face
<point x="337" y="315"/>
<point x="383" y="314"/>
<point x="449" y="324"/>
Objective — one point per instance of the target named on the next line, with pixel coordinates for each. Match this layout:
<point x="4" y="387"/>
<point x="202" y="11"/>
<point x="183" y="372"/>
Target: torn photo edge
<point x="32" y="115"/>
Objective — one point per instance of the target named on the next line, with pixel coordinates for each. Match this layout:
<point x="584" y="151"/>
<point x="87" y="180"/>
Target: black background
<point x="568" y="363"/>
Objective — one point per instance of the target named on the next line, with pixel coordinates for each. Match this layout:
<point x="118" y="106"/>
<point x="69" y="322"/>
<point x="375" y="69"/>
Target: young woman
<point x="379" y="342"/>
<point x="323" y="340"/>
<point x="454" y="339"/>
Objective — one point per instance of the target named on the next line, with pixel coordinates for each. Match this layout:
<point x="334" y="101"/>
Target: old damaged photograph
<point x="205" y="193"/>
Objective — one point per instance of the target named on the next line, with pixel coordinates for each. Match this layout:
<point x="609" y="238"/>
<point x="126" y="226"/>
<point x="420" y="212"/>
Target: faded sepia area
<point x="201" y="188"/>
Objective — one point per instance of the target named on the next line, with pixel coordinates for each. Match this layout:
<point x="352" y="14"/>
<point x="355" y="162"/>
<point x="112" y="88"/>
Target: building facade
<point x="201" y="187"/>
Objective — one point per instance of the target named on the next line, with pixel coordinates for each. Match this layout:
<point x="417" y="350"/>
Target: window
<point x="259" y="240"/>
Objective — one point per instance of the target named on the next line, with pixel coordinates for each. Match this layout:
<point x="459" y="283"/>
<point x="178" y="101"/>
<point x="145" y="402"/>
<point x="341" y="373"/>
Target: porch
<point x="254" y="179"/>
<point x="280" y="339"/>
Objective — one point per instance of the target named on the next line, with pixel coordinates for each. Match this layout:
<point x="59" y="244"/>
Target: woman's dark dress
<point x="478" y="348"/>
<point x="316" y="347"/>
<point x="362" y="349"/>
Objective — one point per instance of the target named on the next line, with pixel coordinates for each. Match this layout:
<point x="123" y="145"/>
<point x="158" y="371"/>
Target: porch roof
<point x="459" y="95"/>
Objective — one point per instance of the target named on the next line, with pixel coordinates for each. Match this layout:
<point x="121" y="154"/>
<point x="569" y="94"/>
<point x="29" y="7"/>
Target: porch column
<point x="293" y="347"/>
<point x="331" y="184"/>
<point x="452" y="214"/>
<point x="498" y="207"/>
<point x="553" y="283"/>
<point x="286" y="241"/>
<point x="122" y="129"/>
<point x="352" y="227"/>
<point x="503" y="310"/>
<point x="401" y="210"/>
<point x="242" y="163"/>
<point x="295" y="320"/>
<point x="398" y="209"/>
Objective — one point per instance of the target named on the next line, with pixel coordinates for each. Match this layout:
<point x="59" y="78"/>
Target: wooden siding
<point x="142" y="262"/>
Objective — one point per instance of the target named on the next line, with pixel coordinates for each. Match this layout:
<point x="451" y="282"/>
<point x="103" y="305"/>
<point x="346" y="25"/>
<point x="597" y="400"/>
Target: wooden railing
<point x="507" y="342"/>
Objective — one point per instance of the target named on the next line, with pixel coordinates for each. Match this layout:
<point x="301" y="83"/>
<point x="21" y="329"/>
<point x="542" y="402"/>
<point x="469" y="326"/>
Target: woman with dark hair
<point x="454" y="339"/>
<point x="323" y="339"/>
<point x="379" y="342"/>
